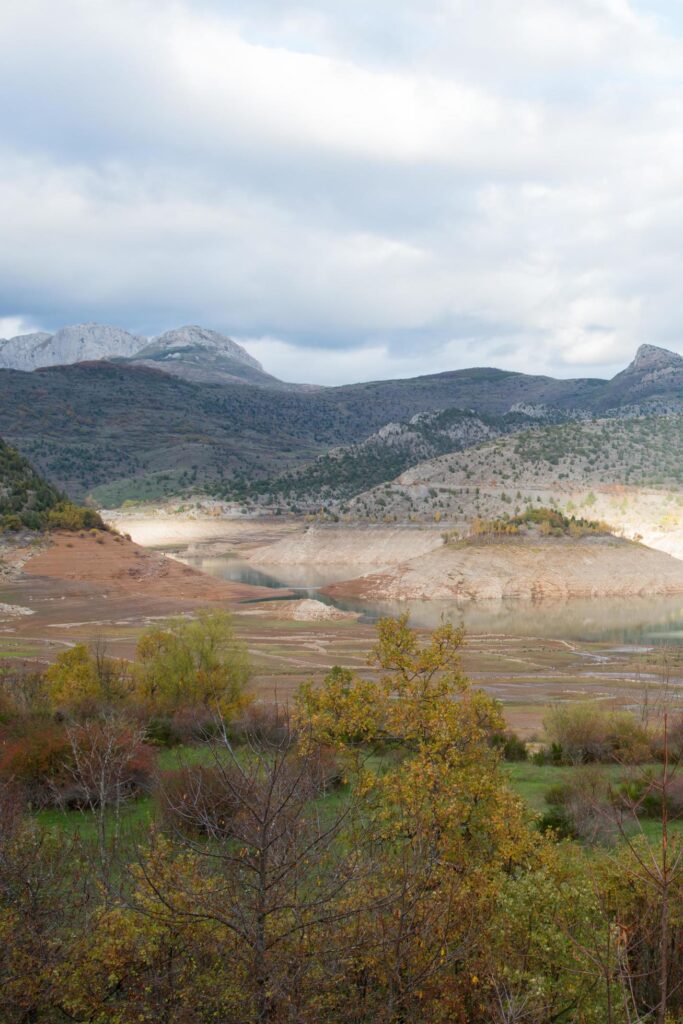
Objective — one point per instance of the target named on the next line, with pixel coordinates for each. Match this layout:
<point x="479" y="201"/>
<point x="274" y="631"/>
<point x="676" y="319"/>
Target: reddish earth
<point x="117" y="565"/>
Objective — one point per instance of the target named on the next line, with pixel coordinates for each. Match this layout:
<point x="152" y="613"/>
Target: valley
<point x="528" y="659"/>
<point x="320" y="509"/>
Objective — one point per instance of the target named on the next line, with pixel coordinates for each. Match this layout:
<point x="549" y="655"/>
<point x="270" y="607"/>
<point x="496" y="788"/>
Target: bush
<point x="110" y="764"/>
<point x="643" y="793"/>
<point x="11" y="524"/>
<point x="583" y="807"/>
<point x="265" y="725"/>
<point x="202" y="799"/>
<point x="321" y="770"/>
<point x="72" y="517"/>
<point x="160" y="732"/>
<point x="55" y="768"/>
<point x="83" y="679"/>
<point x="555" y="820"/>
<point x="38" y="763"/>
<point x="587" y="734"/>
<point x="193" y="663"/>
<point x="510" y="745"/>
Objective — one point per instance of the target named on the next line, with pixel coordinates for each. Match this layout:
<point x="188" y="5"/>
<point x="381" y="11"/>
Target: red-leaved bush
<point x="38" y="763"/>
<point x="54" y="766"/>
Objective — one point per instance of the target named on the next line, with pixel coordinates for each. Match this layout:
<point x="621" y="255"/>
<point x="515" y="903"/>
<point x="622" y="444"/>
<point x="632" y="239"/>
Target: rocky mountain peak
<point x="652" y="357"/>
<point x="194" y="337"/>
<point x="73" y="344"/>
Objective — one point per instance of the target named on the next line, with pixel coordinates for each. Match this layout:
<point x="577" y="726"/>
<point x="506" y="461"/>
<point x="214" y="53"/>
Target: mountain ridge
<point x="124" y="429"/>
<point x="191" y="351"/>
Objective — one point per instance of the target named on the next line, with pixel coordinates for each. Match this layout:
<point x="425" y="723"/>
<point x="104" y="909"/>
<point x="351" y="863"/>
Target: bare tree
<point x="276" y="871"/>
<point x="109" y="764"/>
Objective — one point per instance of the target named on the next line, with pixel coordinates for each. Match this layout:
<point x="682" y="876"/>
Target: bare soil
<point x="115" y="564"/>
<point x="523" y="569"/>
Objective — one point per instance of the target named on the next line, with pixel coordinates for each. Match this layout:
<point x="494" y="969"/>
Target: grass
<point x="530" y="781"/>
<point x="12" y="650"/>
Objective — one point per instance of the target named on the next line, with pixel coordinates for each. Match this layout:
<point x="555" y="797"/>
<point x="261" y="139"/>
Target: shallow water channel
<point x="640" y="621"/>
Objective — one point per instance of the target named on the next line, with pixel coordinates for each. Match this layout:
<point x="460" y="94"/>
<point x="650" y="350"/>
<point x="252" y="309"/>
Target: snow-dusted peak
<point x="194" y="337"/>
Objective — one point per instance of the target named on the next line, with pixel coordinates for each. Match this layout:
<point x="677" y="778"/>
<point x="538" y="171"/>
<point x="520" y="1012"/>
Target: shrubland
<point x="357" y="856"/>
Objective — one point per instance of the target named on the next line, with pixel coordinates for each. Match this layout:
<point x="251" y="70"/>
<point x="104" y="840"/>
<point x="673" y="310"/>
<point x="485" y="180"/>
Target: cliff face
<point x="75" y="344"/>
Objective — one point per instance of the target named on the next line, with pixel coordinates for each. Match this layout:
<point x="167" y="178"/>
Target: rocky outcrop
<point x="192" y="352"/>
<point x="76" y="344"/>
<point x="183" y="339"/>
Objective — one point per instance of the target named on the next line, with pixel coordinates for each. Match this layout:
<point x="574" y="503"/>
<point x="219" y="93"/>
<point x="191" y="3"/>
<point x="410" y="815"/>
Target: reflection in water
<point x="298" y="577"/>
<point x="639" y="620"/>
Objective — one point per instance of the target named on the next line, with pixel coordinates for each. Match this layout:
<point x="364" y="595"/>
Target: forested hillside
<point x="123" y="431"/>
<point x="28" y="501"/>
<point x="346" y="471"/>
<point x="546" y="465"/>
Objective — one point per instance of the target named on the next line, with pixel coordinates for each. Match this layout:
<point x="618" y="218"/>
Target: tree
<point x="261" y="868"/>
<point x="445" y="827"/>
<point x="190" y="662"/>
<point x="109" y="764"/>
<point x="42" y="897"/>
<point x="85" y="678"/>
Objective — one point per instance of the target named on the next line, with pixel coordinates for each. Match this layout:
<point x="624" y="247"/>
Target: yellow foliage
<point x="189" y="662"/>
<point x="79" y="677"/>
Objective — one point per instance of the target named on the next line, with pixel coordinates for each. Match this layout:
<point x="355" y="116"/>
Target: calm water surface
<point x="634" y="620"/>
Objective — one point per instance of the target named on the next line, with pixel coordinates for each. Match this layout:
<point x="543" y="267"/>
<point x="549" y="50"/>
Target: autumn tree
<point x="85" y="678"/>
<point x="109" y="765"/>
<point x="446" y="827"/>
<point x="264" y="870"/>
<point x="43" y="895"/>
<point x="194" y="662"/>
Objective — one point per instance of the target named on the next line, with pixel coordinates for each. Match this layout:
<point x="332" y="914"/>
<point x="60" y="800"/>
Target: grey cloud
<point x="442" y="177"/>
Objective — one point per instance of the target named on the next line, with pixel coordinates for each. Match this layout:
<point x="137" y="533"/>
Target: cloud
<point x="370" y="190"/>
<point x="10" y="326"/>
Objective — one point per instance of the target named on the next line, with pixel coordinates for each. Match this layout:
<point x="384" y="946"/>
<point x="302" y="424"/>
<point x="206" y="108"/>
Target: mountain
<point x="652" y="382"/>
<point x="128" y="430"/>
<point x="348" y="470"/>
<point x="73" y="344"/>
<point x="199" y="354"/>
<point x="506" y="474"/>
<point x="123" y="430"/>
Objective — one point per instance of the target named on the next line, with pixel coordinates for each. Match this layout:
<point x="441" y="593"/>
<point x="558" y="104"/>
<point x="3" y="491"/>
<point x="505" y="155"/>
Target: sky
<point x="353" y="189"/>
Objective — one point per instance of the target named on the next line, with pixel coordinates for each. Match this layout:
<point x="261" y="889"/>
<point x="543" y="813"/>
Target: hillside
<point x="343" y="472"/>
<point x="125" y="430"/>
<point x="628" y="472"/>
<point x="120" y="431"/>
<point x="28" y="501"/>
<point x="644" y="452"/>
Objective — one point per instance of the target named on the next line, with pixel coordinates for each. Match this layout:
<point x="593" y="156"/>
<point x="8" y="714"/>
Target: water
<point x="643" y="621"/>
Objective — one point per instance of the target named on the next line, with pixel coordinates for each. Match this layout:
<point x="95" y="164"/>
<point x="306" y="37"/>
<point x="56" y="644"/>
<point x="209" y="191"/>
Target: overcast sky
<point x="352" y="188"/>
